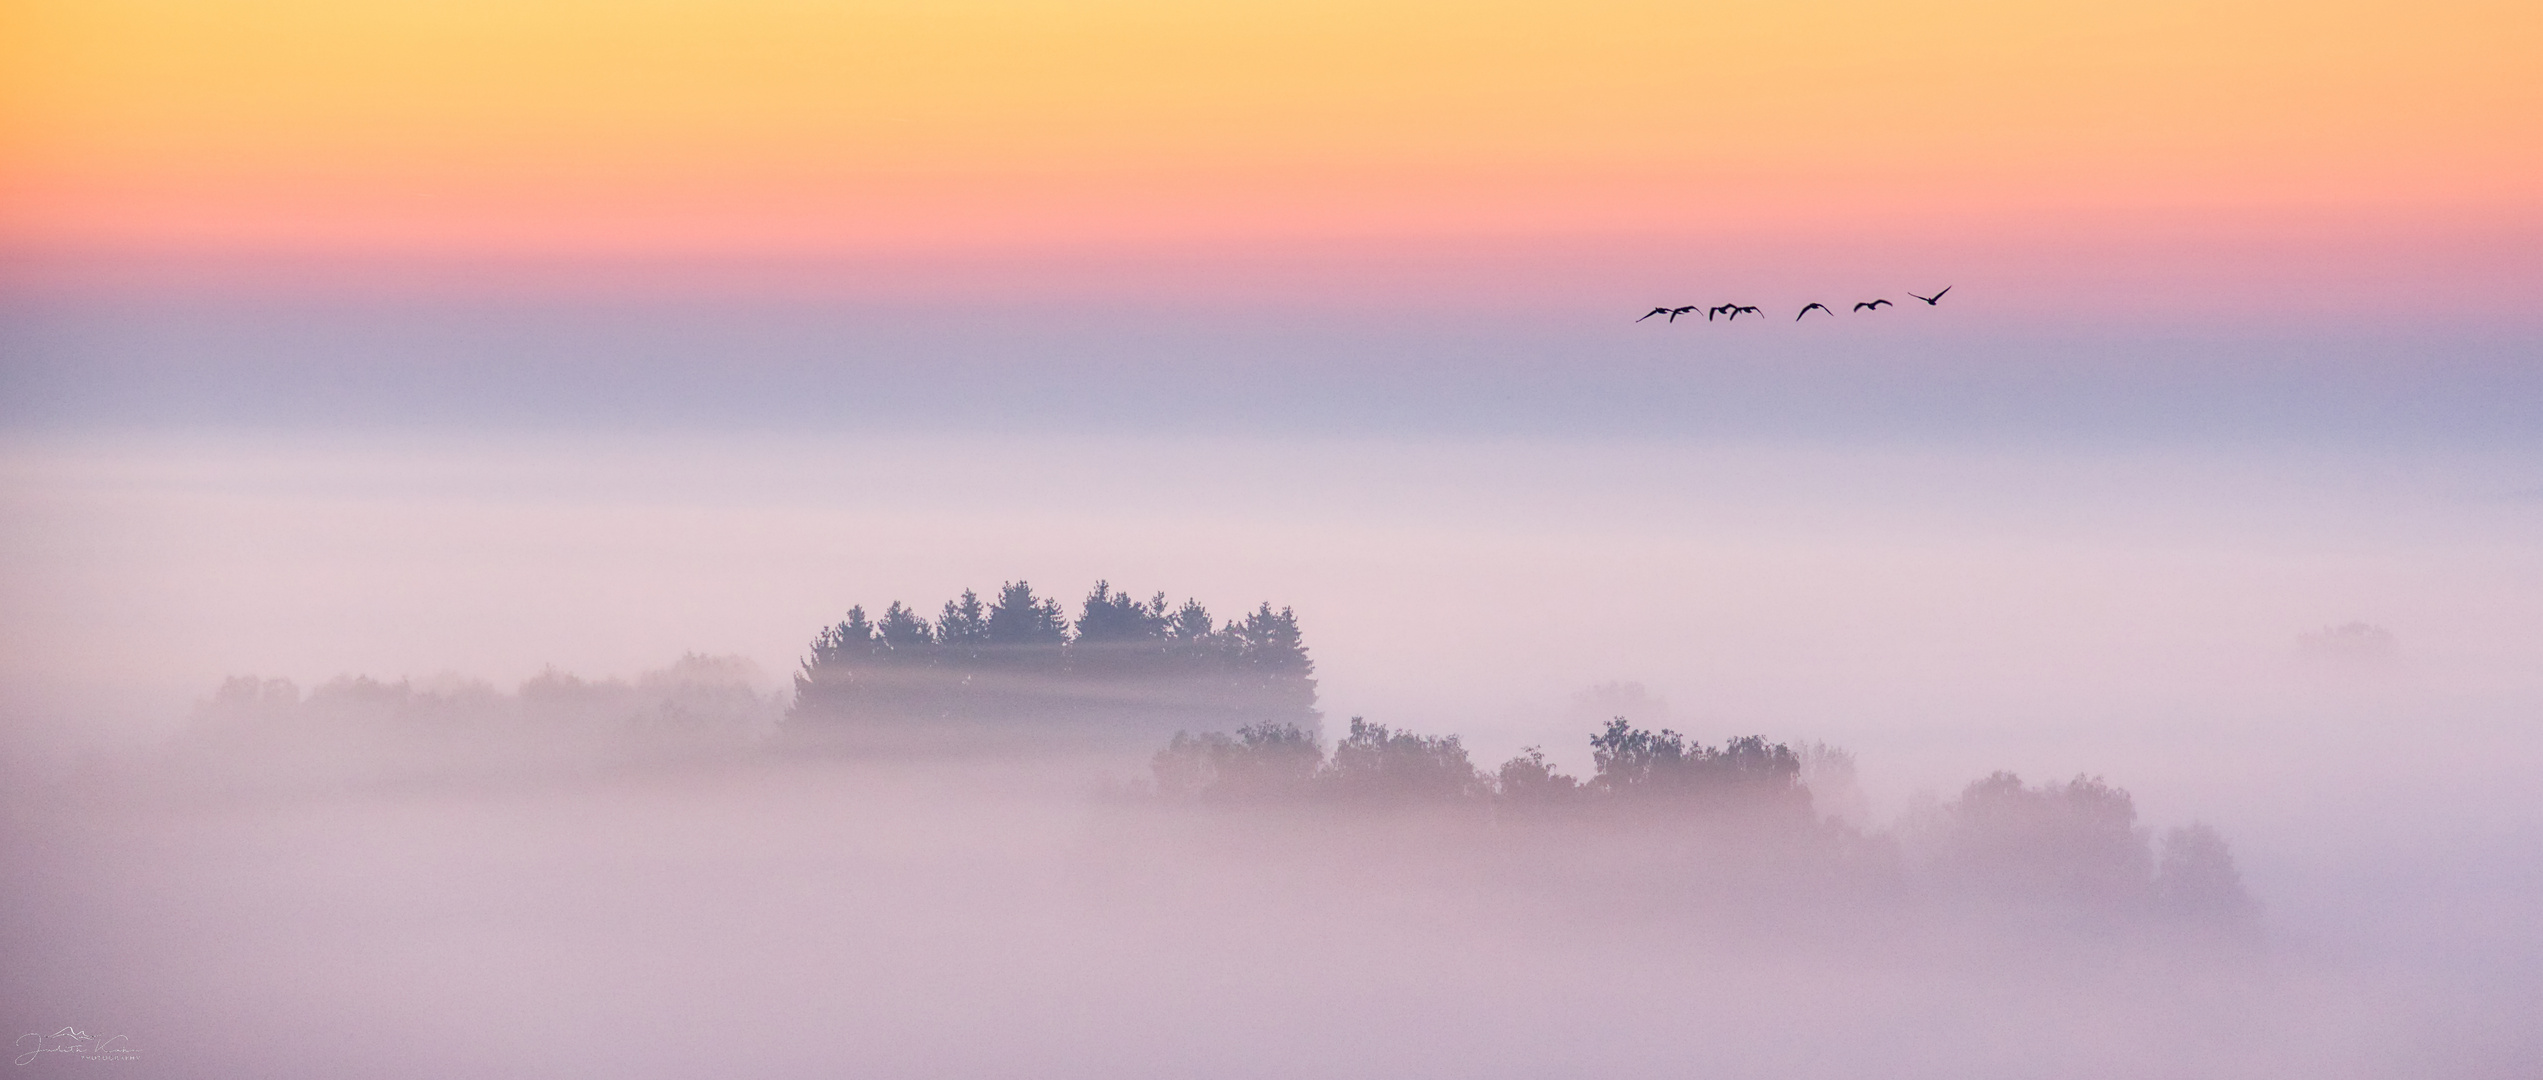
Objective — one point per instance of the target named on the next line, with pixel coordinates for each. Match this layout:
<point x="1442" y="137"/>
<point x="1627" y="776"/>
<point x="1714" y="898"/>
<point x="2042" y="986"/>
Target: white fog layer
<point x="426" y="756"/>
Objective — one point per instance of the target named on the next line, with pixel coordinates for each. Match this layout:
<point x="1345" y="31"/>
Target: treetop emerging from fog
<point x="1125" y="667"/>
<point x="1738" y="808"/>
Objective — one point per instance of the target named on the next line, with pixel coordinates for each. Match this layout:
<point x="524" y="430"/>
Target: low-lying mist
<point x="2269" y="714"/>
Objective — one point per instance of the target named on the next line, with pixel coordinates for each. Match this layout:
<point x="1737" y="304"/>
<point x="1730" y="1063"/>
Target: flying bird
<point x="1750" y="309"/>
<point x="1805" y="310"/>
<point x="1876" y="305"/>
<point x="1657" y="311"/>
<point x="1710" y="312"/>
<point x="1675" y="312"/>
<point x="1934" y="299"/>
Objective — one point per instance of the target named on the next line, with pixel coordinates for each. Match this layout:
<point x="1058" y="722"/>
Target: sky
<point x="2228" y="219"/>
<point x="1194" y="146"/>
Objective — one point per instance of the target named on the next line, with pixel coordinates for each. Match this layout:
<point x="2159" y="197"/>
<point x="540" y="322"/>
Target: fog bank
<point x="2326" y="654"/>
<point x="1005" y="917"/>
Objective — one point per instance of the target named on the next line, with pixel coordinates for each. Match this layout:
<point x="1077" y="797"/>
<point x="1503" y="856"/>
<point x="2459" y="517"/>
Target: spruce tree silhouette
<point x="903" y="632"/>
<point x="833" y="681"/>
<point x="1275" y="677"/>
<point x="962" y="628"/>
<point x="1019" y="619"/>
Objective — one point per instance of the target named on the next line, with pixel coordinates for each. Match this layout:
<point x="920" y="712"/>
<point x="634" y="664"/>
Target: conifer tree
<point x="1021" y="619"/>
<point x="963" y="627"/>
<point x="1110" y="617"/>
<point x="828" y="683"/>
<point x="902" y="631"/>
<point x="908" y="687"/>
<point x="847" y="643"/>
<point x="1191" y="622"/>
<point x="1195" y="649"/>
<point x="1275" y="677"/>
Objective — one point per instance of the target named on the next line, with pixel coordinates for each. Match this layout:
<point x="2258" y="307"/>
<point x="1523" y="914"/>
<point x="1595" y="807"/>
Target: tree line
<point x="2074" y="845"/>
<point x="1122" y="663"/>
<point x="1634" y="766"/>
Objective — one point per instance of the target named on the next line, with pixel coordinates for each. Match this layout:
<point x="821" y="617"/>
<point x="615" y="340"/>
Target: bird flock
<point x="1732" y="312"/>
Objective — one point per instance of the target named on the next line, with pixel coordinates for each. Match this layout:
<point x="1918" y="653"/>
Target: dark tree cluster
<point x="2072" y="847"/>
<point x="1375" y="763"/>
<point x="1125" y="665"/>
<point x="1637" y="764"/>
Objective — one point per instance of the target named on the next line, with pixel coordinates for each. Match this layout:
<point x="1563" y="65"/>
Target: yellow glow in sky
<point x="683" y="124"/>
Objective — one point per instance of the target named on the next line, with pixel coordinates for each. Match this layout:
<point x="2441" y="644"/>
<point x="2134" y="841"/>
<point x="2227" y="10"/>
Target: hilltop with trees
<point x="1661" y="819"/>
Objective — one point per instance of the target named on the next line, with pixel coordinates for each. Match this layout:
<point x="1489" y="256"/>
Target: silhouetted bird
<point x="1738" y="310"/>
<point x="1675" y="312"/>
<point x="1724" y="309"/>
<point x="1656" y="311"/>
<point x="1876" y="305"/>
<point x="1805" y="310"/>
<point x="1934" y="299"/>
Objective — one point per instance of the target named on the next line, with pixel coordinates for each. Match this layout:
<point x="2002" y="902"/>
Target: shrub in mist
<point x="2072" y="844"/>
<point x="244" y="700"/>
<point x="2196" y="882"/>
<point x="1258" y="762"/>
<point x="2354" y="644"/>
<point x="1638" y="765"/>
<point x="1527" y="781"/>
<point x="1828" y="773"/>
<point x="259" y="732"/>
<point x="2077" y="846"/>
<point x="1375" y="762"/>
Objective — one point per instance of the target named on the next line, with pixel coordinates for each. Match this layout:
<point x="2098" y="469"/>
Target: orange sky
<point x="677" y="127"/>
